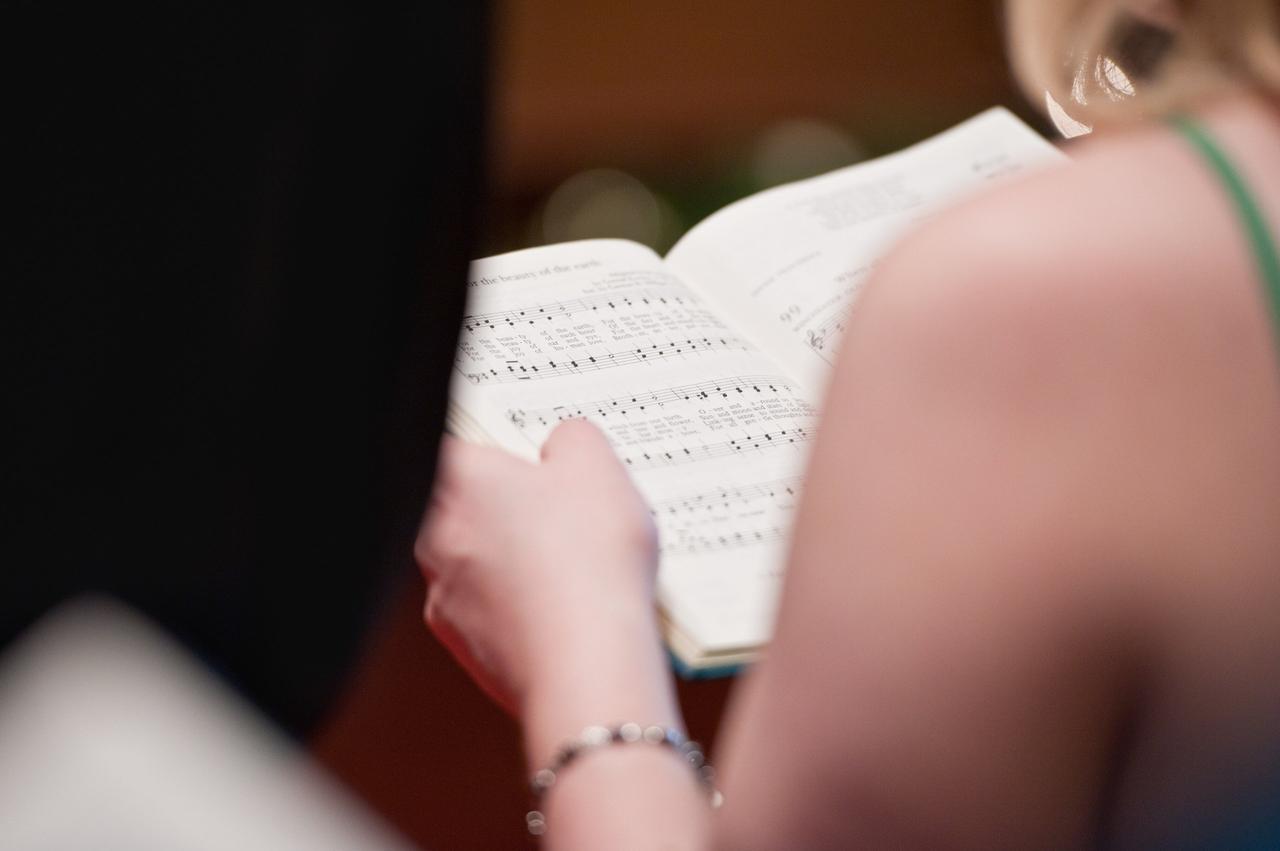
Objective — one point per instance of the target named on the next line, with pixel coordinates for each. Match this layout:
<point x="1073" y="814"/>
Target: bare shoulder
<point x="1106" y="318"/>
<point x="1124" y="271"/>
<point x="1129" y="238"/>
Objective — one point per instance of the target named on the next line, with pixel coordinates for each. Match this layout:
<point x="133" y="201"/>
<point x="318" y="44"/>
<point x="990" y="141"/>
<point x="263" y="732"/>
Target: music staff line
<point x="722" y="497"/>
<point x="726" y="388"/>
<point x="835" y="320"/>
<point x="516" y="370"/>
<point x="819" y="336"/>
<point x="587" y="304"/>
<point x="734" y="446"/>
<point x="697" y="544"/>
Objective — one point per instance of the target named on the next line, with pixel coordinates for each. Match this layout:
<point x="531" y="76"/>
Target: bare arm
<point x="540" y="582"/>
<point x="956" y="649"/>
<point x="1051" y="430"/>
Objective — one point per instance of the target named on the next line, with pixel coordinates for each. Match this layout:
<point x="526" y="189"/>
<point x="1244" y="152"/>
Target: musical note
<point x="684" y="455"/>
<point x="723" y="497"/>
<point x="517" y="370"/>
<point x="820" y="335"/>
<point x="694" y="544"/>
<point x="748" y="386"/>
<point x="589" y="304"/>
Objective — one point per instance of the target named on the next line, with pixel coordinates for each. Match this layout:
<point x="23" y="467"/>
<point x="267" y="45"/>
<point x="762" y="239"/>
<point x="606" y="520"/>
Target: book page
<point x="784" y="266"/>
<point x="714" y="435"/>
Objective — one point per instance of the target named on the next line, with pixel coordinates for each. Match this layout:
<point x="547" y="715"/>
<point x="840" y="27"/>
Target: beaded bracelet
<point x="594" y="738"/>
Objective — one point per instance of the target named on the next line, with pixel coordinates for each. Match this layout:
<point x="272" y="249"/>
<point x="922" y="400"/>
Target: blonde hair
<point x="1103" y="61"/>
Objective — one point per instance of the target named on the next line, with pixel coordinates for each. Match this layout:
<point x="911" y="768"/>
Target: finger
<point x="423" y="555"/>
<point x="435" y="527"/>
<point x="441" y="539"/>
<point x="451" y="462"/>
<point x="576" y="438"/>
<point x="460" y="649"/>
<point x="463" y="464"/>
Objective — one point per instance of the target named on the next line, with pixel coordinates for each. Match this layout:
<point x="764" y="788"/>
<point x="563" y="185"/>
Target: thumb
<point x="574" y="440"/>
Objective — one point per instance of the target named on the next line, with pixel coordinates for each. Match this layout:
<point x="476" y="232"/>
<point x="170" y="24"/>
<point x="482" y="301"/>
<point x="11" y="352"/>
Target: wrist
<point x="589" y="626"/>
<point x="604" y="671"/>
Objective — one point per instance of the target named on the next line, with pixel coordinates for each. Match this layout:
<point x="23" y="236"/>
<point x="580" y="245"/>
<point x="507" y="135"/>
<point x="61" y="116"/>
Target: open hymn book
<point x="705" y="367"/>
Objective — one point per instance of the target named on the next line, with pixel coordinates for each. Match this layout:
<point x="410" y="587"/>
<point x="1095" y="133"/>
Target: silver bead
<point x="627" y="733"/>
<point x="596" y="736"/>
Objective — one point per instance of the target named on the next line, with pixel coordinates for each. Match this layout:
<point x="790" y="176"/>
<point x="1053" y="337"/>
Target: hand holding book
<point x="541" y="584"/>
<point x="528" y="563"/>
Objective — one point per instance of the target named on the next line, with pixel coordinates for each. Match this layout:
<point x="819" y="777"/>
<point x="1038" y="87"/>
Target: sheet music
<point x="714" y="435"/>
<point x="704" y="369"/>
<point x="787" y="264"/>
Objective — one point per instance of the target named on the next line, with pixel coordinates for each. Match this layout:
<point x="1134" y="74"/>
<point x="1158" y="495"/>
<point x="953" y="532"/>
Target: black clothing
<point x="233" y="276"/>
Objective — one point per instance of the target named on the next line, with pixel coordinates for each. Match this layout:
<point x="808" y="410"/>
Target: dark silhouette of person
<point x="233" y="273"/>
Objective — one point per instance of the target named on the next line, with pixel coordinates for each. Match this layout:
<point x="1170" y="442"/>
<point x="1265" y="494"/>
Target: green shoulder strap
<point x="1260" y="238"/>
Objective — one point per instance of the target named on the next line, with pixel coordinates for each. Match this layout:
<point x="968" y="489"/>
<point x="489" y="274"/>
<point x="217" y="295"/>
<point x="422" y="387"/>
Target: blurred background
<point x="636" y="120"/>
